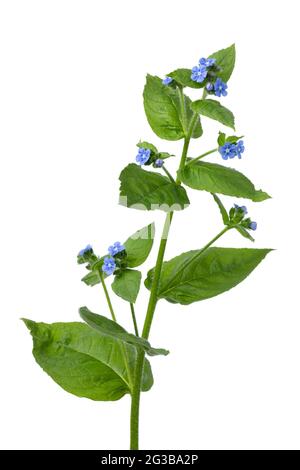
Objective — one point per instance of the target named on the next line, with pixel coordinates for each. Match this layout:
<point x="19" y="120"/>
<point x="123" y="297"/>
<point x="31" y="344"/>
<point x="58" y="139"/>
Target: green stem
<point x="183" y="111"/>
<point x="136" y="392"/>
<point x="113" y="316"/>
<point x="186" y="145"/>
<point x="168" y="174"/>
<point x="156" y="277"/>
<point x="136" y="330"/>
<point x="201" y="156"/>
<point x="135" y="401"/>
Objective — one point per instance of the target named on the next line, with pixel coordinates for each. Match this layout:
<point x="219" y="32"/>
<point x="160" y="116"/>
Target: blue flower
<point x="158" y="163"/>
<point x="109" y="265"/>
<point x="143" y="156"/>
<point x="115" y="248"/>
<point x="207" y="62"/>
<point x="253" y="225"/>
<point x="199" y="74"/>
<point x="220" y="88"/>
<point x="228" y="150"/>
<point x="240" y="148"/>
<point x="210" y="86"/>
<point x="85" y="250"/>
<point x="242" y="208"/>
<point x="167" y="80"/>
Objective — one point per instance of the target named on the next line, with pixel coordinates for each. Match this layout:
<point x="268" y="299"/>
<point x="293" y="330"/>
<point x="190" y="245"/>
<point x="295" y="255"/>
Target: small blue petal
<point x="240" y="148"/>
<point x="242" y="208"/>
<point x="253" y="225"/>
<point x="220" y="88"/>
<point x="109" y="265"/>
<point x="117" y="247"/>
<point x="85" y="250"/>
<point x="167" y="80"/>
<point x="158" y="163"/>
<point x="227" y="150"/>
<point x="143" y="156"/>
<point x="199" y="74"/>
<point x="206" y="62"/>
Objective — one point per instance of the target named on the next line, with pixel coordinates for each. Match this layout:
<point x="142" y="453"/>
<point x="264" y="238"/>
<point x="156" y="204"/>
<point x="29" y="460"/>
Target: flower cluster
<point x="237" y="216"/>
<point x="207" y="69"/>
<point x="200" y="71"/>
<point x="143" y="156"/>
<point x="110" y="263"/>
<point x="146" y="156"/>
<point x="232" y="149"/>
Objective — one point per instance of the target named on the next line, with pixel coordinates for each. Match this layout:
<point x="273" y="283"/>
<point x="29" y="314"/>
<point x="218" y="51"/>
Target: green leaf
<point x="147" y="145"/>
<point x="92" y="278"/>
<point x="244" y="232"/>
<point x="146" y="190"/>
<point x="139" y="245"/>
<point x="199" y="275"/>
<point x="165" y="155"/>
<point x="161" y="110"/>
<point x="221" y="139"/>
<point x="197" y="131"/>
<point x="127" y="284"/>
<point x="223" y="211"/>
<point x="214" y="110"/>
<point x="220" y="179"/>
<point x="164" y="113"/>
<point x="84" y="362"/>
<point x="183" y="77"/>
<point x="112" y="329"/>
<point x="225" y="59"/>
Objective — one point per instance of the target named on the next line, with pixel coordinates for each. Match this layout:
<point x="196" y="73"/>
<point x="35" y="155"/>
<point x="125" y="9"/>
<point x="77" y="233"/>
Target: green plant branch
<point x="113" y="316"/>
<point x="168" y="174"/>
<point x="194" y="160"/>
<point x="136" y="330"/>
<point x="200" y="252"/>
<point x="136" y="392"/>
<point x="182" y="107"/>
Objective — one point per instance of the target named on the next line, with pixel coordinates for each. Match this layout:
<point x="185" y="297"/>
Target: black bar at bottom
<point x="134" y="459"/>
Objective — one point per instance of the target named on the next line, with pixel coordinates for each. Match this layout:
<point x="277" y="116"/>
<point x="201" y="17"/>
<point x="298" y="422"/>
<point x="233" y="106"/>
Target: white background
<point x="71" y="112"/>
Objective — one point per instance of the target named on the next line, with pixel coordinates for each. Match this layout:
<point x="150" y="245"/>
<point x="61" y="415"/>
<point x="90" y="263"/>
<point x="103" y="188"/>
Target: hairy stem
<point x="136" y="392"/>
<point x="168" y="174"/>
<point x="136" y="330"/>
<point x="201" y="156"/>
<point x="113" y="316"/>
<point x="182" y="108"/>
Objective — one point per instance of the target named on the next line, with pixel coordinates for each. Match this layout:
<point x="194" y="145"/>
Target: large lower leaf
<point x="221" y="180"/>
<point x="110" y="328"/>
<point x="225" y="59"/>
<point x="199" y="275"/>
<point x="214" y="110"/>
<point x="127" y="284"/>
<point x="139" y="245"/>
<point x="84" y="362"/>
<point x="146" y="190"/>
